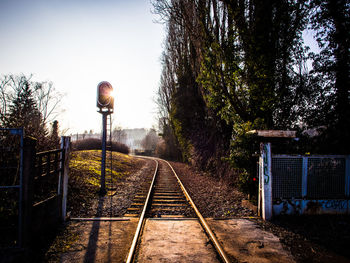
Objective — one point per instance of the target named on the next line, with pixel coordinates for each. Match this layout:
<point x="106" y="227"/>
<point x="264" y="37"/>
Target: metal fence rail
<point x="46" y="181"/>
<point x="287" y="177"/>
<point x="33" y="188"/>
<point x="326" y="177"/>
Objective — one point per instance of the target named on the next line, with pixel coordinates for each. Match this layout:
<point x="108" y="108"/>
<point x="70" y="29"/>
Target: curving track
<point x="167" y="197"/>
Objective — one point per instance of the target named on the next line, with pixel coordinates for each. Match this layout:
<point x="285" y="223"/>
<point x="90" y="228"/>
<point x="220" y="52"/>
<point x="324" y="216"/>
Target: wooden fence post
<point x="29" y="159"/>
<point x="65" y="144"/>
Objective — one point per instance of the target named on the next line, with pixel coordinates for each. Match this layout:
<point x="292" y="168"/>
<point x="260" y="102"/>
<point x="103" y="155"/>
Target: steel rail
<point x="141" y="220"/>
<point x="204" y="224"/>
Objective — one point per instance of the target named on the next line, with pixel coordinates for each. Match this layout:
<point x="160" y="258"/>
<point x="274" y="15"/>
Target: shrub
<point x="95" y="144"/>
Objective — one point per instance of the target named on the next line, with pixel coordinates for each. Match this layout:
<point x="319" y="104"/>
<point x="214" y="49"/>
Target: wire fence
<point x="311" y="177"/>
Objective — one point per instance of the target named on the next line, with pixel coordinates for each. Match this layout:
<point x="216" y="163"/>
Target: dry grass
<point x="85" y="175"/>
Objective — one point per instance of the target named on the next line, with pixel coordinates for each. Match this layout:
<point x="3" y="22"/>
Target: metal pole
<point x="103" y="164"/>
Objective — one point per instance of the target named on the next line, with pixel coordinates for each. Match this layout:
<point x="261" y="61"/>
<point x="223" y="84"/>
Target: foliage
<point x="167" y="147"/>
<point x="149" y="143"/>
<point x="54" y="138"/>
<point x="96" y="144"/>
<point x="31" y="105"/>
<point x="330" y="75"/>
<point x="119" y="135"/>
<point x="233" y="66"/>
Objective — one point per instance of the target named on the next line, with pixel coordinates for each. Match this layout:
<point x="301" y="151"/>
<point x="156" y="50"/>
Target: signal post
<point x="105" y="103"/>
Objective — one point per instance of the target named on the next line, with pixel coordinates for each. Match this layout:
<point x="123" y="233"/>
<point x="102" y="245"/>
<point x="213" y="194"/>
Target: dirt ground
<point x="309" y="239"/>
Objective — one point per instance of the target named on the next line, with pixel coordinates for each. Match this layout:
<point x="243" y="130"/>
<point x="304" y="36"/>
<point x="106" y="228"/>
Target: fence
<point x="50" y="188"/>
<point x="42" y="181"/>
<point x="295" y="184"/>
<point x="11" y="187"/>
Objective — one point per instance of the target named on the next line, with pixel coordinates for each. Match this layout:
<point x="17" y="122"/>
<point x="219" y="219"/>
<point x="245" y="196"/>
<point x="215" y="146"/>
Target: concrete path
<point x="243" y="240"/>
<point x="185" y="241"/>
<point x="175" y="241"/>
<point x="172" y="240"/>
<point x="101" y="241"/>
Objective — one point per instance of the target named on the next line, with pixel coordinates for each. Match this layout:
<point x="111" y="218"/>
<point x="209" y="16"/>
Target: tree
<point x="167" y="147"/>
<point x="119" y="135"/>
<point x="24" y="112"/>
<point x="331" y="68"/>
<point x="150" y="141"/>
<point x="196" y="128"/>
<point x="228" y="67"/>
<point x="28" y="104"/>
<point x="54" y="137"/>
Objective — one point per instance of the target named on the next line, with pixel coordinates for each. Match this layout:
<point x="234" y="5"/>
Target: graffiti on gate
<point x="301" y="206"/>
<point x="287" y="207"/>
<point x="266" y="160"/>
<point x="330" y="204"/>
<point x="335" y="204"/>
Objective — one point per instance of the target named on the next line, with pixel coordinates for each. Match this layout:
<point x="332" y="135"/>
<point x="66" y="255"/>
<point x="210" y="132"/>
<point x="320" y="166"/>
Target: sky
<point x="78" y="43"/>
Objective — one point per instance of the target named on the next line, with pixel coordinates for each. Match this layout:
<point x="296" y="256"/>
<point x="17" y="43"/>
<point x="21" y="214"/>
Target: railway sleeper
<point x="131" y="215"/>
<point x="133" y="209"/>
<point x="165" y="197"/>
<point x="169" y="201"/>
<point x="167" y="193"/>
<point x="166" y="205"/>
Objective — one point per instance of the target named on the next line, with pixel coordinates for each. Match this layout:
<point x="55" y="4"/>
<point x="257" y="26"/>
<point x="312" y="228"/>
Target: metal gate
<point x="298" y="184"/>
<point x="310" y="184"/>
<point x="11" y="187"/>
<point x="312" y="177"/>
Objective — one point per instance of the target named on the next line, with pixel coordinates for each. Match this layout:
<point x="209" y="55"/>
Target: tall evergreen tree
<point x="54" y="138"/>
<point x="24" y="112"/>
<point x="28" y="104"/>
<point x="331" y="70"/>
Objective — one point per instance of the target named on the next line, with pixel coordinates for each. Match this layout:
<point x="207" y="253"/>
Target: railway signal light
<point x="105" y="103"/>
<point x="105" y="100"/>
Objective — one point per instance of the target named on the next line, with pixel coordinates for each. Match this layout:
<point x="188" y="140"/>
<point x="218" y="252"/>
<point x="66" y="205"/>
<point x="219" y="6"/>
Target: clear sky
<point x="78" y="43"/>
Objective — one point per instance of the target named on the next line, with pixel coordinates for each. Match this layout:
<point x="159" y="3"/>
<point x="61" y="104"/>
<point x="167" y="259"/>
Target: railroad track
<point x="166" y="197"/>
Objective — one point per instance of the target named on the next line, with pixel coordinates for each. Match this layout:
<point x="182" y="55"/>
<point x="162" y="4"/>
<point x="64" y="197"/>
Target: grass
<point x="85" y="175"/>
<point x="62" y="243"/>
<point x="88" y="165"/>
<point x="84" y="186"/>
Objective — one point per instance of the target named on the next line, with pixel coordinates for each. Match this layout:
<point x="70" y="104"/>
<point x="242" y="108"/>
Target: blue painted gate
<point x="310" y="184"/>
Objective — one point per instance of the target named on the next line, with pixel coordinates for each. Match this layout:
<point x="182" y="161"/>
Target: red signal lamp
<point x="105" y="99"/>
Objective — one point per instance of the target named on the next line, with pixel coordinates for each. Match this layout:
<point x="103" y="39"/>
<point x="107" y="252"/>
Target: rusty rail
<point x="203" y="222"/>
<point x="141" y="220"/>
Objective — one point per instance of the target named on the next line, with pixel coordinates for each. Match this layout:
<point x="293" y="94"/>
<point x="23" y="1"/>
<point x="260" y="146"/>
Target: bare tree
<point x="119" y="135"/>
<point x="46" y="97"/>
<point x="29" y="104"/>
<point x="5" y="91"/>
<point x="48" y="100"/>
<point x="149" y="143"/>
